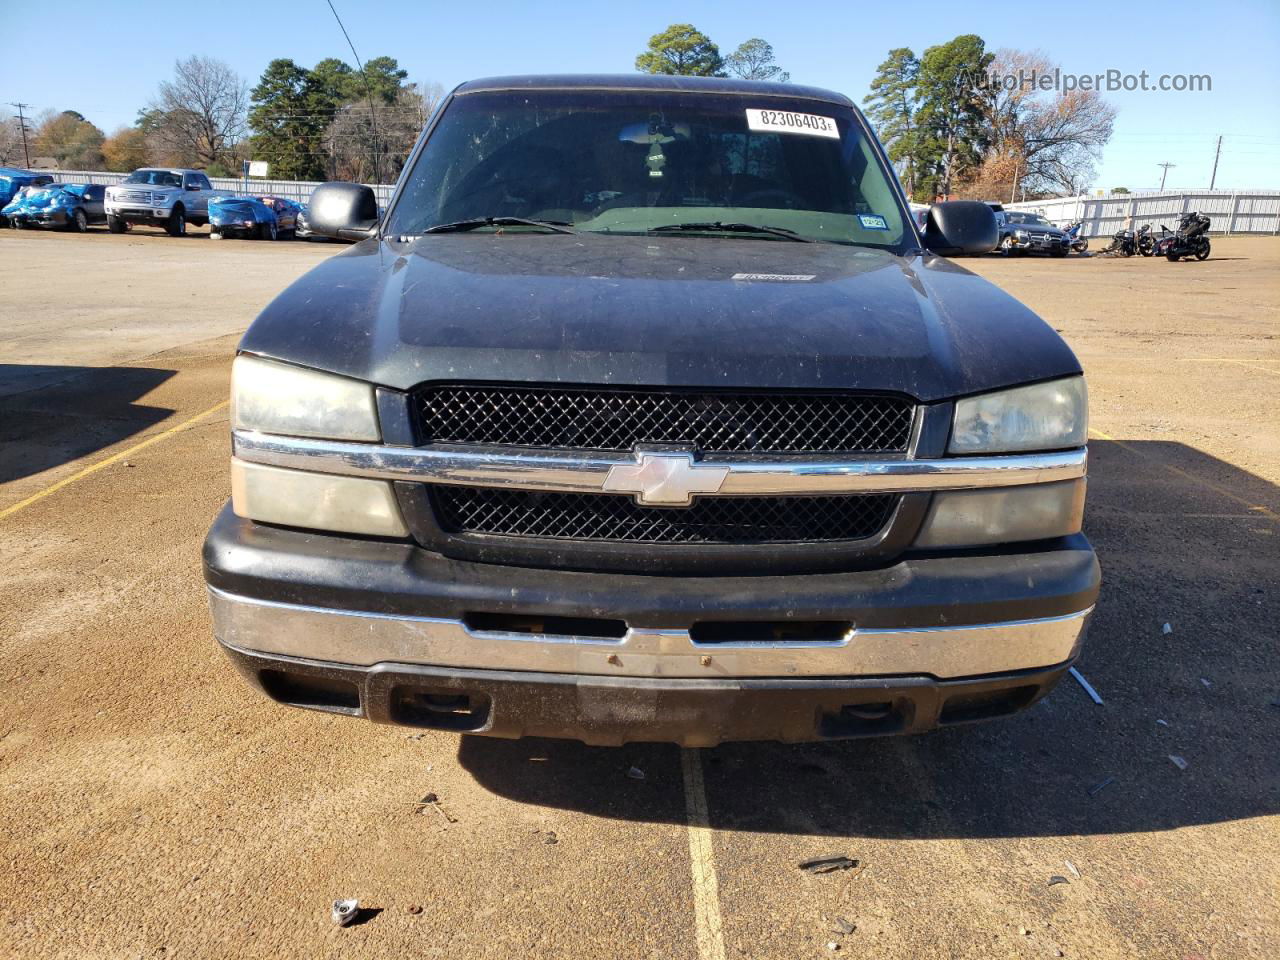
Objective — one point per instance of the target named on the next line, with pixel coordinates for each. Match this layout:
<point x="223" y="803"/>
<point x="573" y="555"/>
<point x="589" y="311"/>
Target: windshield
<point x="156" y="178"/>
<point x="629" y="162"/>
<point x="1034" y="219"/>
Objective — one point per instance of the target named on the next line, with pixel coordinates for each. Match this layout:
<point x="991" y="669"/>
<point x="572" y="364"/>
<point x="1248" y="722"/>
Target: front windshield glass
<point x="156" y="178"/>
<point x="627" y="162"/>
<point x="1034" y="219"/>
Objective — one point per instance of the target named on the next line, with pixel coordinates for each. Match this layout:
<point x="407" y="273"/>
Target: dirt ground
<point x="154" y="806"/>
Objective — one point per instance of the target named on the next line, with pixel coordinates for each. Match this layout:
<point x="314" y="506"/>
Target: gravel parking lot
<point x="154" y="806"/>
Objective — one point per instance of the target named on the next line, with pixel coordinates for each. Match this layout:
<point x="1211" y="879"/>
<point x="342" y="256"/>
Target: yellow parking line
<point x="1258" y="509"/>
<point x="702" y="860"/>
<point x="114" y="458"/>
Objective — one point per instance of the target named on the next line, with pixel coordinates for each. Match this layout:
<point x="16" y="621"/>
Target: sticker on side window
<point x="784" y="121"/>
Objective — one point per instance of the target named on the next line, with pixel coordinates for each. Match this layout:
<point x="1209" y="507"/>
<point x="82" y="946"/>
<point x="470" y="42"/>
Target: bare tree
<point x="200" y="114"/>
<point x="351" y="142"/>
<point x="1055" y="136"/>
<point x="10" y="144"/>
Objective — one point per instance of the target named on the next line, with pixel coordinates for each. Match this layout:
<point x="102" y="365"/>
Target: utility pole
<point x="1213" y="177"/>
<point x="22" y="125"/>
<point x="1166" y="165"/>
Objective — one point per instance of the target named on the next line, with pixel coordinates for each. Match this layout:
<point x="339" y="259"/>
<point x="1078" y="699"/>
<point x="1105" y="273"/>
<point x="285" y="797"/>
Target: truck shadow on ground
<point x="1184" y="539"/>
<point x="50" y="415"/>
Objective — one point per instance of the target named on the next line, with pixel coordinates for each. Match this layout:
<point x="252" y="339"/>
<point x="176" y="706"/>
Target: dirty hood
<point x="656" y="311"/>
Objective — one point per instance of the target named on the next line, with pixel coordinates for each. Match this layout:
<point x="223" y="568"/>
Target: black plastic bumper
<point x="611" y="711"/>
<point x="387" y="577"/>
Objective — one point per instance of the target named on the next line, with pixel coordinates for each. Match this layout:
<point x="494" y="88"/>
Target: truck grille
<point x="619" y="519"/>
<point x="133" y="196"/>
<point x="600" y="419"/>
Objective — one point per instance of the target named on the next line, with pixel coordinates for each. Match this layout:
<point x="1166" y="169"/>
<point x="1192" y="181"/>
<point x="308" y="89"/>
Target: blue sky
<point x="829" y="44"/>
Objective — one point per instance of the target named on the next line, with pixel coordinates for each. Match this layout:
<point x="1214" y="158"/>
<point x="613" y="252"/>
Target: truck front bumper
<point x="397" y="634"/>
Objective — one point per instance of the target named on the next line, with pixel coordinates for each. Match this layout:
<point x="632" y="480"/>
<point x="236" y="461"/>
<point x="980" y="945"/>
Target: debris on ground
<point x="415" y="909"/>
<point x="1097" y="788"/>
<point x="1166" y="629"/>
<point x="1093" y="694"/>
<point x="1179" y="762"/>
<point x="832" y="945"/>
<point x="828" y="864"/>
<point x="432" y="801"/>
<point x="344" y="911"/>
<point x="1163" y="723"/>
<point x="1072" y="867"/>
<point x="635" y="773"/>
<point x="843" y="926"/>
<point x="1206" y="681"/>
<point x="550" y="837"/>
<point x="1056" y="879"/>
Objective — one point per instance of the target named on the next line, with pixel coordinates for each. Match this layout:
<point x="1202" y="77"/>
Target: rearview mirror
<point x="343" y="211"/>
<point x="960" y="228"/>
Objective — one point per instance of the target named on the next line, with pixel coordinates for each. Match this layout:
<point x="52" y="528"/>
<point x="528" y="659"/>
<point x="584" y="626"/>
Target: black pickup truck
<point x="646" y="412"/>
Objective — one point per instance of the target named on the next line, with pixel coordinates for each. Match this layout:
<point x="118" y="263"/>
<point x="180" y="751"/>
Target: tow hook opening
<point x="331" y="694"/>
<point x="965" y="708"/>
<point x="439" y="709"/>
<point x="871" y="718"/>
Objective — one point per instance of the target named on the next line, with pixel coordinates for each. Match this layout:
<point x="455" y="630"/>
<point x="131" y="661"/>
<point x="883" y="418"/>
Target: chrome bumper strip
<point x="504" y="467"/>
<point x="365" y="639"/>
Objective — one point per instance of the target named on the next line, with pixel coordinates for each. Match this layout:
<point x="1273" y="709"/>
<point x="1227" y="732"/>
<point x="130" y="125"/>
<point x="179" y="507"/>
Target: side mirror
<point x="343" y="211"/>
<point x="960" y="228"/>
<point x="193" y="186"/>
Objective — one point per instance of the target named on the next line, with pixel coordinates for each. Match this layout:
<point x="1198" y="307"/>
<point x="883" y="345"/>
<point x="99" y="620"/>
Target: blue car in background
<point x="71" y="206"/>
<point x="254" y="218"/>
<point x="13" y="179"/>
<point x="286" y="212"/>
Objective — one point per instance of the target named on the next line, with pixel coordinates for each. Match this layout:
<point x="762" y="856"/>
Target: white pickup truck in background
<point x="160" y="197"/>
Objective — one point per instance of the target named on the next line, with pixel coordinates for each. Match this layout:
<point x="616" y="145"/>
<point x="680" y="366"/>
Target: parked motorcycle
<point x="1190" y="240"/>
<point x="1078" y="243"/>
<point x="1146" y="243"/>
<point x="1124" y="243"/>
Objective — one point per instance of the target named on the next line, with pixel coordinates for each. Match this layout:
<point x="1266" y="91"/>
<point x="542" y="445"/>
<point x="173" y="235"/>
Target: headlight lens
<point x="971" y="518"/>
<point x="1044" y="416"/>
<point x="319" y="501"/>
<point x="278" y="398"/>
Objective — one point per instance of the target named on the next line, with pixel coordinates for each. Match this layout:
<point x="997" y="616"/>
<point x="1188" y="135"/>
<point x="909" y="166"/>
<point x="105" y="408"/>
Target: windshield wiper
<point x="782" y="232"/>
<point x="461" y="226"/>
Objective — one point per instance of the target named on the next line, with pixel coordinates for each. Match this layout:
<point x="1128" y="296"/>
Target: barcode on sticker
<point x="784" y="121"/>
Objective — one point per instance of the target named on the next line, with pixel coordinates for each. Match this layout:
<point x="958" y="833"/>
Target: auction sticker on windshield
<point x="784" y="121"/>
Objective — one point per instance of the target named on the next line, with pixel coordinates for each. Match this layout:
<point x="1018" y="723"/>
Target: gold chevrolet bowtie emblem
<point x="664" y="479"/>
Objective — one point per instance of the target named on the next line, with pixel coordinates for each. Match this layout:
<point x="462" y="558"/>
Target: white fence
<point x="1253" y="211"/>
<point x="299" y="190"/>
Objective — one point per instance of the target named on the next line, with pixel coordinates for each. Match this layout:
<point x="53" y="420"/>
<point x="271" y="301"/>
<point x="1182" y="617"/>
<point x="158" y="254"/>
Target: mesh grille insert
<point x="618" y="518"/>
<point x="595" y="419"/>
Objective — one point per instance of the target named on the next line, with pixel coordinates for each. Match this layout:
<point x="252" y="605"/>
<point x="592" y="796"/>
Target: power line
<point x="367" y="89"/>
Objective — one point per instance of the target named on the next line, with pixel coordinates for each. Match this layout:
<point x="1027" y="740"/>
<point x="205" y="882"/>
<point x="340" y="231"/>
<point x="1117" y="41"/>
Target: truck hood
<point x="656" y="311"/>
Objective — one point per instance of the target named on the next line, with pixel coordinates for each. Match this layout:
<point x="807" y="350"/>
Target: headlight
<point x="319" y="501"/>
<point x="1020" y="234"/>
<point x="278" y="398"/>
<point x="1044" y="416"/>
<point x="971" y="518"/>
